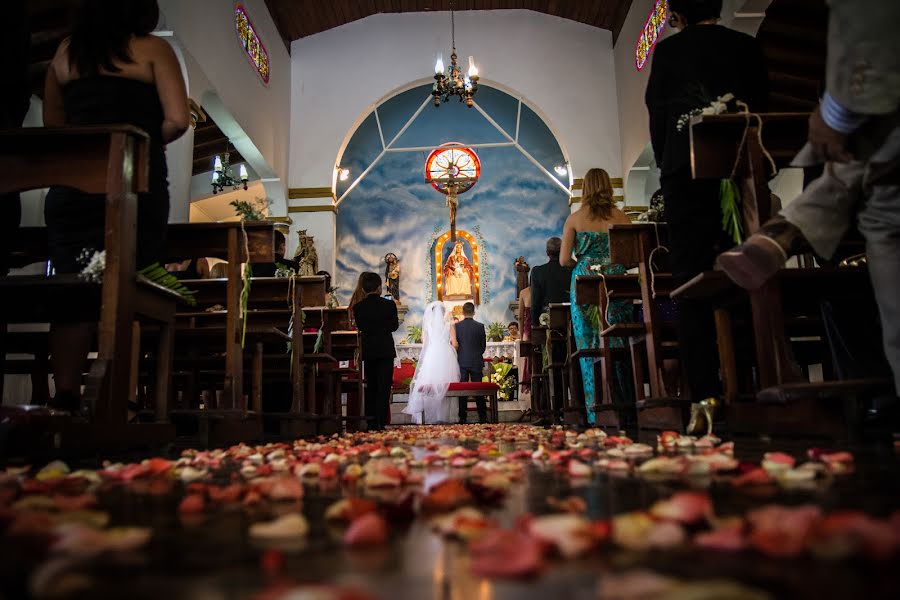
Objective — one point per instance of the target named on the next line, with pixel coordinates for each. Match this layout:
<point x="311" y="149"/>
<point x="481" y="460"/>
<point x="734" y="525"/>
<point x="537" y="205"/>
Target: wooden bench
<point x="475" y="389"/>
<point x="98" y="160"/>
<point x="277" y="356"/>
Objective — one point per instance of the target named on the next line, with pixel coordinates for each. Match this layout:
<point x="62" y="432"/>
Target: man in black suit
<point x="550" y="282"/>
<point x="690" y="70"/>
<point x="271" y="269"/>
<point x="472" y="342"/>
<point x="376" y="319"/>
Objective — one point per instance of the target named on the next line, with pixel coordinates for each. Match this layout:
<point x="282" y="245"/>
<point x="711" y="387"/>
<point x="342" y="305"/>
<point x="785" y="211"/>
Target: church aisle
<point x="475" y="511"/>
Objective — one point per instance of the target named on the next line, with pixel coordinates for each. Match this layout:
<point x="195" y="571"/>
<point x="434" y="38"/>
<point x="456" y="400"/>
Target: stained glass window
<point x="650" y="33"/>
<point x="251" y="43"/>
<point x="452" y="160"/>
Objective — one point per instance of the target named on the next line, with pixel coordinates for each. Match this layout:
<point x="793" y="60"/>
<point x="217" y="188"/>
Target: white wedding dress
<point x="437" y="369"/>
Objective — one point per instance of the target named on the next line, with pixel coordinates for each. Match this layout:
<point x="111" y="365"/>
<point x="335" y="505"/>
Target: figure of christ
<point x="452" y="204"/>
<point x="458" y="275"/>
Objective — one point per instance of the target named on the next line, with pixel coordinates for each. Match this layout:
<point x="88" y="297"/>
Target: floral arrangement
<point x="413" y="335"/>
<point x="333" y="300"/>
<point x="496" y="331"/>
<point x="544" y="320"/>
<point x="95" y="265"/>
<point x="716" y="107"/>
<point x="500" y="375"/>
<point x="251" y="210"/>
<point x="283" y="271"/>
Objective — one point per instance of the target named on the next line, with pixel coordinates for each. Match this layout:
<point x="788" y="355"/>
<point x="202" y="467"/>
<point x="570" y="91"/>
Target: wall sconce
<point x="343" y="174"/>
<point x="562" y="169"/>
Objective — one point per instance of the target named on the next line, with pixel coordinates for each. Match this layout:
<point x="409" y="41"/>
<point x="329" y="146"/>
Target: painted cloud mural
<point x="515" y="206"/>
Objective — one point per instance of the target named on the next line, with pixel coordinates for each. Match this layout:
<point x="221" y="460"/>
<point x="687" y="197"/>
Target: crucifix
<point x="452" y="170"/>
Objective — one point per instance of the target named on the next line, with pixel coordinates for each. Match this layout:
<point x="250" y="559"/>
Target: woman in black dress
<point x="109" y="71"/>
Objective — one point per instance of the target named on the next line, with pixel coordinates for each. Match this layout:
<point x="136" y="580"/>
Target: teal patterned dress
<point x="592" y="248"/>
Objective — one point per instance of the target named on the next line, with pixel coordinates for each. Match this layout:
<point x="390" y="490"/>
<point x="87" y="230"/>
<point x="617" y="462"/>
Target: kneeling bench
<point x="489" y="391"/>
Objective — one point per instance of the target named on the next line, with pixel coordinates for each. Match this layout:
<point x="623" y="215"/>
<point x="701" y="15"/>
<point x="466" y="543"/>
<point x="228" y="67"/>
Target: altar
<point x="494" y="350"/>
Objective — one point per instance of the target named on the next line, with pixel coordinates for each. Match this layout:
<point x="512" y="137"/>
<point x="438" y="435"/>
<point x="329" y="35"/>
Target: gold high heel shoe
<point x="702" y="415"/>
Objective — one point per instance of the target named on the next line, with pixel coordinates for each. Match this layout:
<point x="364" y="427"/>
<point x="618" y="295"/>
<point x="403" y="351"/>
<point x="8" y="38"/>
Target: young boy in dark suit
<point x="376" y="319"/>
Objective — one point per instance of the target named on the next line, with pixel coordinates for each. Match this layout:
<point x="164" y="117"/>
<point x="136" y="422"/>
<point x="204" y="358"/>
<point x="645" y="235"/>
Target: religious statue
<point x="458" y="275"/>
<point x="392" y="276"/>
<point x="306" y="256"/>
<point x="522" y="269"/>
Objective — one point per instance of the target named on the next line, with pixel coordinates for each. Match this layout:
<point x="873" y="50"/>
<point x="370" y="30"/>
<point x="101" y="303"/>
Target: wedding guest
<point x="690" y="70"/>
<point x="855" y="132"/>
<point x="550" y="281"/>
<point x="512" y="332"/>
<point x="14" y="58"/>
<point x="586" y="234"/>
<point x="525" y="319"/>
<point x="281" y="263"/>
<point x="376" y="318"/>
<point x="193" y="268"/>
<point x="110" y="70"/>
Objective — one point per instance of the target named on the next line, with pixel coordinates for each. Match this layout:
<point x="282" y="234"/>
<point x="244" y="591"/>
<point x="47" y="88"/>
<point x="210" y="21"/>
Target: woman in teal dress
<point x="586" y="235"/>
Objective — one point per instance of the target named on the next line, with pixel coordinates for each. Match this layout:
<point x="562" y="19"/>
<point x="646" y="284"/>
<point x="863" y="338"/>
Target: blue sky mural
<point x="515" y="206"/>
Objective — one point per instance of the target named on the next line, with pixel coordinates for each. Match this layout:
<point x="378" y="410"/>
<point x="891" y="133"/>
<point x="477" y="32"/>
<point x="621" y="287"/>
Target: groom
<point x="472" y="342"/>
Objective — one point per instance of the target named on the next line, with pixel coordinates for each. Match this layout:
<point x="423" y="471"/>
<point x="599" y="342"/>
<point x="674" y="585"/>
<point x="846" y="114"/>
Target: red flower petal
<point x="505" y="553"/>
<point x="367" y="530"/>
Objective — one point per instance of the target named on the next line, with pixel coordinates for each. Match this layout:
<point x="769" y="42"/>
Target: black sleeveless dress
<point x="75" y="219"/>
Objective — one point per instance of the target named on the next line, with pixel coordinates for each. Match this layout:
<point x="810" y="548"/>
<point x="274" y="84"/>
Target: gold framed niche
<point x="443" y="245"/>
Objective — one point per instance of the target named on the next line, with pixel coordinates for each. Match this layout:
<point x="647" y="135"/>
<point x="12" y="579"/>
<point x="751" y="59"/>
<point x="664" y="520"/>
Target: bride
<point x="436" y="370"/>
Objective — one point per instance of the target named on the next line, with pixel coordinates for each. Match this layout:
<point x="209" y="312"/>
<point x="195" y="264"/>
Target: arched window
<point x="251" y="43"/>
<point x="650" y="33"/>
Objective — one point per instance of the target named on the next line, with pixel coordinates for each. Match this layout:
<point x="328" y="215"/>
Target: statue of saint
<point x="392" y="276"/>
<point x="306" y="256"/>
<point x="522" y="269"/>
<point x="458" y="275"/>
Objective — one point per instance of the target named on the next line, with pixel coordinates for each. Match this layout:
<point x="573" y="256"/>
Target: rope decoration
<point x="745" y="110"/>
<point x="659" y="246"/>
<point x="245" y="289"/>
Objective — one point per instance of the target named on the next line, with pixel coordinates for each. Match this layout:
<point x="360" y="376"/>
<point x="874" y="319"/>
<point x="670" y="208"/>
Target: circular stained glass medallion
<point x="452" y="160"/>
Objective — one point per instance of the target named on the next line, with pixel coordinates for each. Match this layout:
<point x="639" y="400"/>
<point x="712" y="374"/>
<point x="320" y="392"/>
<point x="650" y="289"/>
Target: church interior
<point x="687" y="380"/>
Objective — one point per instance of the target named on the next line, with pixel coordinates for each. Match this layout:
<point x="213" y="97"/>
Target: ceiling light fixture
<point x="452" y="82"/>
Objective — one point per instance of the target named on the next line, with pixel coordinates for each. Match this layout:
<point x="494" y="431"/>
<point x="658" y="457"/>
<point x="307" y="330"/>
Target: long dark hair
<point x="103" y="30"/>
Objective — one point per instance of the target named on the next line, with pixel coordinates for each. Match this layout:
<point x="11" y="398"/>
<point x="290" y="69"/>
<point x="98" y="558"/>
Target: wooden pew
<point x="636" y="245"/>
<point x="99" y="160"/>
<point x="714" y="152"/>
<point x="562" y="394"/>
<point x="235" y="243"/>
<point x="273" y="304"/>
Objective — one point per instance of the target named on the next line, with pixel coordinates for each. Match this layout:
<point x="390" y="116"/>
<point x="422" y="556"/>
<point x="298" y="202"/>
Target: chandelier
<point x="452" y="82"/>
<point x="222" y="176"/>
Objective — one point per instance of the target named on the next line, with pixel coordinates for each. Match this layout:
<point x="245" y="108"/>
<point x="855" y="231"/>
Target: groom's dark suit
<point x="472" y="342"/>
<point x="376" y="318"/>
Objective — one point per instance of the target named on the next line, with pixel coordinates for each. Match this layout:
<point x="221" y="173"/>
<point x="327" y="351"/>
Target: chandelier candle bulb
<point x="473" y="71"/>
<point x="439" y="65"/>
<point x="243" y="172"/>
<point x="217" y="165"/>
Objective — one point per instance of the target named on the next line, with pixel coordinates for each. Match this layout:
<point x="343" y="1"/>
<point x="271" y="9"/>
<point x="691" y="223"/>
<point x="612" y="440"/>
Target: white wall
<point x="205" y="30"/>
<point x="562" y="69"/>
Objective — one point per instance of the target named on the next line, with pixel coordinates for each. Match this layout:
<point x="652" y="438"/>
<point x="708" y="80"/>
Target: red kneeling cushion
<point x="401" y="374"/>
<point x="473" y="386"/>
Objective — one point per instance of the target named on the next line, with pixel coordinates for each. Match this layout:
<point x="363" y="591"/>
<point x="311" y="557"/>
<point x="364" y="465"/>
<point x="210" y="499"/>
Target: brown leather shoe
<point x="754" y="262"/>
